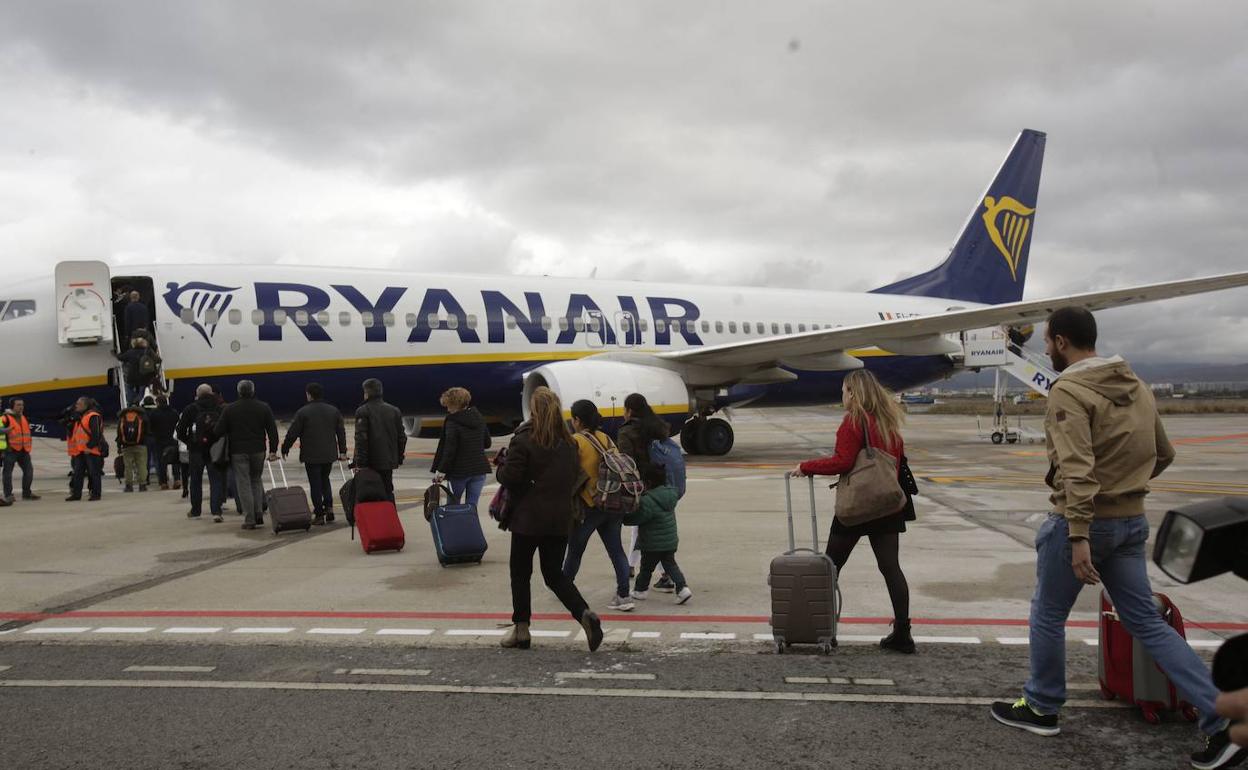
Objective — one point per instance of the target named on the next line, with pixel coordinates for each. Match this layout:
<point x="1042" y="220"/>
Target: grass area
<point x="984" y="406"/>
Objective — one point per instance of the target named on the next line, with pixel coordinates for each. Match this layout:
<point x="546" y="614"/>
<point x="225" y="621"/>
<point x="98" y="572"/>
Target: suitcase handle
<point x="343" y="471"/>
<point x="814" y="516"/>
<point x="273" y="480"/>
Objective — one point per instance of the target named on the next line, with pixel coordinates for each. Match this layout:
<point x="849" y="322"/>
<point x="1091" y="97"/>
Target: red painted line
<point x="82" y="283"/>
<point x="505" y="616"/>
<point x="1211" y="439"/>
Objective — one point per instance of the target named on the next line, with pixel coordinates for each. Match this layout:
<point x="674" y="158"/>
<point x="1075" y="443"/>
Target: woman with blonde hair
<point x="460" y="456"/>
<point x="542" y="471"/>
<point x="869" y="405"/>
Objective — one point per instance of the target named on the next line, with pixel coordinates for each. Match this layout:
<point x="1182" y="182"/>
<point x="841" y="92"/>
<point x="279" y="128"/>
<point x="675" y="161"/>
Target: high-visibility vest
<point x="80" y="435"/>
<point x="18" y="437"/>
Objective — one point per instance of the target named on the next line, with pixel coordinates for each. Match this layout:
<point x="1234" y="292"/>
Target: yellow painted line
<point x="65" y="384"/>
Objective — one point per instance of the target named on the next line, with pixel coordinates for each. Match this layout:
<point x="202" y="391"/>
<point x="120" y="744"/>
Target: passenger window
<point x="257" y="317"/>
<point x="595" y="325"/>
<point x="760" y="328"/>
<point x="322" y="318"/>
<point x="279" y="317"/>
<point x="719" y="327"/>
<point x="545" y="322"/>
<point x="660" y="325"/>
<point x="690" y="326"/>
<point x="236" y="316"/>
<point x="625" y="324"/>
<point x="344" y="318"/>
<point x="801" y="327"/>
<point x="410" y="320"/>
<point x="366" y="319"/>
<point x="788" y="328"/>
<point x="511" y="322"/>
<point x="563" y="323"/>
<point x="732" y="327"/>
<point x="301" y="318"/>
<point x="212" y="316"/>
<point x="472" y="322"/>
<point x="187" y="315"/>
<point x="706" y="326"/>
<point x="578" y="324"/>
<point x="452" y="322"/>
<point x="645" y="325"/>
<point x="433" y="321"/>
<point x="387" y="319"/>
<point x="775" y="328"/>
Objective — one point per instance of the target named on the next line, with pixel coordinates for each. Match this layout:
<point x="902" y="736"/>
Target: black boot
<point x="899" y="640"/>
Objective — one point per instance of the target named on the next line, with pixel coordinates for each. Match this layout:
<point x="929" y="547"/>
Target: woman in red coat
<point x="867" y="402"/>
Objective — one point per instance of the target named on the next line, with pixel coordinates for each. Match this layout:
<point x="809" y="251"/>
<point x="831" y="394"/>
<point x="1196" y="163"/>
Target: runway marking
<point x="947" y="639"/>
<point x="816" y="680"/>
<point x="262" y="630"/>
<point x="647" y="634"/>
<point x="855" y="638"/>
<point x="704" y="635"/>
<point x="1092" y="642"/>
<point x="5" y="668"/>
<point x="123" y="630"/>
<point x="764" y="638"/>
<point x="1084" y="686"/>
<point x="550" y="634"/>
<point x="604" y="675"/>
<point x="556" y="692"/>
<point x="475" y="632"/>
<point x="59" y="630"/>
<point x="384" y="671"/>
<point x="336" y="631"/>
<point x="1013" y="640"/>
<point x="1206" y="644"/>
<point x="169" y="669"/>
<point x="867" y="682"/>
<point x="404" y="632"/>
<point x="192" y="630"/>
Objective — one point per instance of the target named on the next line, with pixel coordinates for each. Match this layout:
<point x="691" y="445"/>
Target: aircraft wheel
<point x="997" y="437"/>
<point x="689" y="436"/>
<point x="1012" y="439"/>
<point x="716" y="438"/>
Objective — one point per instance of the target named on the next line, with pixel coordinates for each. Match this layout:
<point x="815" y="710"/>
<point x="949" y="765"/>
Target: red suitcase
<point x="1128" y="672"/>
<point x="379" y="526"/>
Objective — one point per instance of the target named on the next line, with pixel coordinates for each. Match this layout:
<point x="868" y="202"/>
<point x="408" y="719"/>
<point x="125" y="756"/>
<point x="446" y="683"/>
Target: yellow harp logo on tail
<point x="1007" y="222"/>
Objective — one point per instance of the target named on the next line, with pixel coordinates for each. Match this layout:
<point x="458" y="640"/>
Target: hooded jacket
<point x="655" y="519"/>
<point x="461" y="448"/>
<point x="1105" y="441"/>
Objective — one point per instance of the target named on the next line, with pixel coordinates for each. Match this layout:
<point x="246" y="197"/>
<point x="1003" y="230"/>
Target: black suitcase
<point x="287" y="506"/>
<point x="805" y="599"/>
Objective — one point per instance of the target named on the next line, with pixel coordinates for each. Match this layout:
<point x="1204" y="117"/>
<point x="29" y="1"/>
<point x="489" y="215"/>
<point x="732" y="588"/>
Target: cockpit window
<point x="16" y="308"/>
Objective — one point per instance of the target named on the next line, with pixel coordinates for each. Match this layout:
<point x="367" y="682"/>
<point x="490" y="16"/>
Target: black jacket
<point x="136" y="318"/>
<point x="320" y="431"/>
<point x="162" y="422"/>
<point x="130" y="362"/>
<point x="543" y="483"/>
<point x="248" y="422"/>
<point x="461" y="449"/>
<point x="380" y="439"/>
<point x="186" y="425"/>
<point x="634" y="440"/>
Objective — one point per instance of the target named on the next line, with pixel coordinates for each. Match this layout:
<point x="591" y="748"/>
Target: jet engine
<point x="608" y="383"/>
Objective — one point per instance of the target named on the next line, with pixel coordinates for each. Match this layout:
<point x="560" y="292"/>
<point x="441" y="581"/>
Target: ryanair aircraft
<point x="692" y="350"/>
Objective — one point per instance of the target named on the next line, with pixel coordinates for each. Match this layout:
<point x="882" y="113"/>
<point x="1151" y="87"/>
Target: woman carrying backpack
<point x="641" y="426"/>
<point x="589" y="442"/>
<point x="543" y="474"/>
<point x="868" y="403"/>
<point x="460" y="456"/>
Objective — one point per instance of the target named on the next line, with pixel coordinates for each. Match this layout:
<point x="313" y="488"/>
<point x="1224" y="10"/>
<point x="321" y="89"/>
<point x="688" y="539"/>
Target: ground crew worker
<point x="16" y="442"/>
<point x="86" y="447"/>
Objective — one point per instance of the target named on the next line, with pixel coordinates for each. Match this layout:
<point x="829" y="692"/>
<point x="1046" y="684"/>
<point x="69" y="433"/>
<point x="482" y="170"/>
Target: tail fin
<point x="988" y="263"/>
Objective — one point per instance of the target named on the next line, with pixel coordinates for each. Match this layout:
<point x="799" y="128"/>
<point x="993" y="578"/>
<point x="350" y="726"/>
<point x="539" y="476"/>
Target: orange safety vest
<point x="80" y="435"/>
<point x="19" y="432"/>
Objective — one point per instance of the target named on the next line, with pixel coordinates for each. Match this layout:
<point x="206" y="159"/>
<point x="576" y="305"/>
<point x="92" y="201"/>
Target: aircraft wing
<point x="916" y="333"/>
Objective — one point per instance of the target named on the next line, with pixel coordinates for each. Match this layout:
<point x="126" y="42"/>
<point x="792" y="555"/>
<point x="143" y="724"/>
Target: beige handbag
<point x="870" y="490"/>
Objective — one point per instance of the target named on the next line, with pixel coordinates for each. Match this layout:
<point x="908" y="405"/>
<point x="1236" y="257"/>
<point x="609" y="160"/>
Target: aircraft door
<point x="627" y="334"/>
<point x="595" y="329"/>
<point x="83" y="304"/>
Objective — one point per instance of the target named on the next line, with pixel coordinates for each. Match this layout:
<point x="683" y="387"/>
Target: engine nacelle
<point x="608" y="383"/>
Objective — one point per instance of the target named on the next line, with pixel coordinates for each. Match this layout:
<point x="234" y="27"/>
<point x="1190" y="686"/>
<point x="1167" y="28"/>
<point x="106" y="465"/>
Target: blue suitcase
<point x="457" y="535"/>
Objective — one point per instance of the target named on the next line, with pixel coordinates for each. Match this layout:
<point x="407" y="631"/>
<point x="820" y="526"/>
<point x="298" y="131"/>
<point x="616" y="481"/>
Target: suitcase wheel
<point x="825" y="648"/>
<point x="779" y="646"/>
<point x="1150" y="715"/>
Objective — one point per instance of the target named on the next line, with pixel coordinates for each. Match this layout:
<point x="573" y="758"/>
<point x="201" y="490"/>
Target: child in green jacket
<point x="657" y="539"/>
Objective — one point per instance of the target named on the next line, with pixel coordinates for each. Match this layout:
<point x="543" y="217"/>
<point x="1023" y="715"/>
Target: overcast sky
<point x="827" y="145"/>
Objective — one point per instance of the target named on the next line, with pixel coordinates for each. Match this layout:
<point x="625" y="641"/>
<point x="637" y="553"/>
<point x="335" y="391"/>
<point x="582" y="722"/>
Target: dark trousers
<point x="195" y="483"/>
<point x="21" y="460"/>
<point x="156" y="450"/>
<point x="319" y="488"/>
<point x="652" y="559"/>
<point x="387" y="479"/>
<point x="550" y="550"/>
<point x="86" y="467"/>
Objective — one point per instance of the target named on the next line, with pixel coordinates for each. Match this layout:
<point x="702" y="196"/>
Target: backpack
<point x="619" y="488"/>
<point x="147" y="365"/>
<point x="205" y="424"/>
<point x="666" y="454"/>
<point x="131" y="429"/>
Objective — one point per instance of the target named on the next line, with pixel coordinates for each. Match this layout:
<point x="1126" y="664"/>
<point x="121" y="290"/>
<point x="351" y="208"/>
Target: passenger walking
<point x="138" y="318"/>
<point x="641" y="426"/>
<point x="380" y="440"/>
<point x="1105" y="441"/>
<point x="247" y="424"/>
<point x="460" y="456"/>
<point x="162" y="421"/>
<point x="197" y="431"/>
<point x="657" y="536"/>
<point x="585" y="423"/>
<point x="16" y="439"/>
<point x="322" y="435"/>
<point x="86" y="446"/>
<point x="140" y="366"/>
<point x="132" y="433"/>
<point x="868" y="403"/>
<point x="543" y="473"/>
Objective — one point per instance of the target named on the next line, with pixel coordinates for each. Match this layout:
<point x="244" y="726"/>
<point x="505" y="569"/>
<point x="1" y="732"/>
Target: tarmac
<point x="86" y="587"/>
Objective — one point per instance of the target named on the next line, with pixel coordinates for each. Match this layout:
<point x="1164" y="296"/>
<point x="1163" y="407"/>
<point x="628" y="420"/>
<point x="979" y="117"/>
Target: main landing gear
<point x="705" y="435"/>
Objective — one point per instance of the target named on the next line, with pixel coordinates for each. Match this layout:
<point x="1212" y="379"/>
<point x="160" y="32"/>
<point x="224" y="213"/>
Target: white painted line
<point x="858" y="638"/>
<point x="5" y="668"/>
<point x="1084" y="686"/>
<point x="700" y="635"/>
<point x="805" y="680"/>
<point x="122" y="630"/>
<point x="58" y="630"/>
<point x="1014" y="640"/>
<point x="7" y="631"/>
<point x="169" y="669"/>
<point x="603" y="675"/>
<point x="764" y="638"/>
<point x="1092" y="642"/>
<point x="551" y="634"/>
<point x="384" y="671"/>
<point x="647" y="634"/>
<point x="262" y="630"/>
<point x="404" y="632"/>
<point x="192" y="630"/>
<point x="556" y="692"/>
<point x="875" y="682"/>
<point x="947" y="639"/>
<point x="475" y="632"/>
<point x="1205" y="644"/>
<point x="837" y="680"/>
<point x="336" y="631"/>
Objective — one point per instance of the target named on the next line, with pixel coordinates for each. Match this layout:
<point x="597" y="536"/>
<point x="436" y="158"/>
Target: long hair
<point x="872" y="398"/>
<point x="585" y="411"/>
<point x="651" y="424"/>
<point x="549" y="429"/>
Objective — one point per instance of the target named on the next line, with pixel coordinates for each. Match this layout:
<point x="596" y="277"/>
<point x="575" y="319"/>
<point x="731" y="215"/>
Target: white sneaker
<point x="641" y="596"/>
<point x="621" y="603"/>
<point x="684" y="595"/>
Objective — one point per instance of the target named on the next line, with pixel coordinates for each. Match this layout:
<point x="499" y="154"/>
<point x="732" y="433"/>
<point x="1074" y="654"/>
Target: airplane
<point x="694" y="351"/>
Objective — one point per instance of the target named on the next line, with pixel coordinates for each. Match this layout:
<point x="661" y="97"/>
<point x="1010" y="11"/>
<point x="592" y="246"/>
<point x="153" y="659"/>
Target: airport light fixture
<point x="1205" y="539"/>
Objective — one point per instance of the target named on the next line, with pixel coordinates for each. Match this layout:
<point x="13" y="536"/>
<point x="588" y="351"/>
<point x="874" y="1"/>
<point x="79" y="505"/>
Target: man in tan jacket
<point x="1105" y="442"/>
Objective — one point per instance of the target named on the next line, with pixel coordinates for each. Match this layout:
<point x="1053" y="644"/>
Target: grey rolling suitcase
<point x="805" y="599"/>
<point x="287" y="506"/>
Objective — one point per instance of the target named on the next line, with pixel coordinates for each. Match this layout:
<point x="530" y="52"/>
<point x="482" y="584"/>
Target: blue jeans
<point x="608" y="529"/>
<point x="472" y="485"/>
<point x="195" y="483"/>
<point x="1118" y="553"/>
